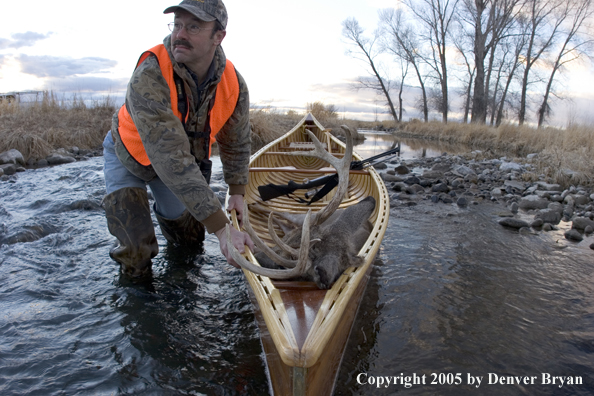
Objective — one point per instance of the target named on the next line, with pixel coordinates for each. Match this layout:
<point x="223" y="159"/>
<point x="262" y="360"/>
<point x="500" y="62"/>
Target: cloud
<point x="52" y="66"/>
<point x="87" y="84"/>
<point x="27" y="39"/>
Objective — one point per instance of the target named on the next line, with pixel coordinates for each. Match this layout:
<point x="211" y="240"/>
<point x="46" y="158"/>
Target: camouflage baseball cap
<point x="205" y="10"/>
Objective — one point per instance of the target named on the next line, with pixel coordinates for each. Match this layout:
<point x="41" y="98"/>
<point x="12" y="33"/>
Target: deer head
<point x="326" y="244"/>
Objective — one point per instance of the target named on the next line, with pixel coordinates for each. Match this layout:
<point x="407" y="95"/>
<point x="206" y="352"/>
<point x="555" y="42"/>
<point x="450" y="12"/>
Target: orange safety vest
<point x="224" y="105"/>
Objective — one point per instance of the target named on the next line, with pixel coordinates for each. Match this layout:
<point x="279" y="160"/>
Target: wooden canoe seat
<point x="292" y="169"/>
<point x="305" y="145"/>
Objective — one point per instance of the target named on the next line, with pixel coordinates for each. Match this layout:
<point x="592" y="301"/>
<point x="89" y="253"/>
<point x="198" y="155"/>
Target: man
<point x="182" y="96"/>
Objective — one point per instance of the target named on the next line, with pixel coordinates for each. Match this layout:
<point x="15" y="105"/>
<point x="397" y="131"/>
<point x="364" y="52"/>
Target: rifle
<point x="270" y="191"/>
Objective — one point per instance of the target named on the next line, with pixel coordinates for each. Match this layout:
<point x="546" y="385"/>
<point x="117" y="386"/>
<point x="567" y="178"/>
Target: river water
<point x="452" y="292"/>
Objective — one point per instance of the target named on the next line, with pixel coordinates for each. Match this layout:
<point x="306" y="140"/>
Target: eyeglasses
<point x="191" y="29"/>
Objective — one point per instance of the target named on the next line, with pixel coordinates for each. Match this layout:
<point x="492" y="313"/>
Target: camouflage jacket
<point x="172" y="153"/>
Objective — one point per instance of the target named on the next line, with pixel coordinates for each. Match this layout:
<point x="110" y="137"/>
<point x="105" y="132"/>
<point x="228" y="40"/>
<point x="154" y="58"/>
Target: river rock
<point x="441" y="167"/>
<point x="440" y="188"/>
<point x="412" y="180"/>
<point x="12" y="156"/>
<point x="463" y="171"/>
<point x="573" y="235"/>
<point x="399" y="186"/>
<point x="462" y="202"/>
<point x="510" y="167"/>
<point x="551" y="216"/>
<point x="580" y="199"/>
<point x="415" y="189"/>
<point x="58" y="159"/>
<point x="533" y="202"/>
<point x="391" y="178"/>
<point x="8" y="169"/>
<point x="431" y="174"/>
<point x="513" y="223"/>
<point x="592" y="246"/>
<point x="581" y="223"/>
<point x="458" y="182"/>
<point x="402" y="170"/>
<point x="548" y="187"/>
<point x="514" y="207"/>
<point x="380" y="166"/>
<point x="471" y="178"/>
<point x="514" y="187"/>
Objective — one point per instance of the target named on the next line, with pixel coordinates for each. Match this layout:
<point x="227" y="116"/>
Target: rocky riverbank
<point x="447" y="179"/>
<point x="13" y="161"/>
<point x="462" y="181"/>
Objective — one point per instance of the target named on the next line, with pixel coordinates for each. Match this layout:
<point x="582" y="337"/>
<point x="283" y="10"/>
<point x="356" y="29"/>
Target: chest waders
<point x="127" y="209"/>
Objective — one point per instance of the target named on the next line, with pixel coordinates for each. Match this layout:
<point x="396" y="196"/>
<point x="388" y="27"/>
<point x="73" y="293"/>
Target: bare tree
<point x="463" y="43"/>
<point x="403" y="72"/>
<point x="571" y="49"/>
<point x="489" y="20"/>
<point x="436" y="16"/>
<point x="401" y="42"/>
<point x="517" y="46"/>
<point x="545" y="21"/>
<point x="365" y="51"/>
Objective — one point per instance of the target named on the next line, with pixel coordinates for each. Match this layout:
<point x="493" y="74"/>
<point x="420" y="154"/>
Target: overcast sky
<point x="290" y="52"/>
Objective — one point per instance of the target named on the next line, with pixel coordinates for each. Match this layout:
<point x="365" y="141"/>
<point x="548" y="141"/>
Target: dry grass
<point x="268" y="124"/>
<point x="38" y="128"/>
<point x="564" y="155"/>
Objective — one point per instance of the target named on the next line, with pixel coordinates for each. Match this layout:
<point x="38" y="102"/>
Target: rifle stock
<point x="270" y="191"/>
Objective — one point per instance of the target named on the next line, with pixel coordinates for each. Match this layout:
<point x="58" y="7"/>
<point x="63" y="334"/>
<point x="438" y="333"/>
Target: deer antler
<point x="342" y="167"/>
<point x="302" y="265"/>
<point x="303" y="262"/>
<point x="261" y="244"/>
<point x="279" y="242"/>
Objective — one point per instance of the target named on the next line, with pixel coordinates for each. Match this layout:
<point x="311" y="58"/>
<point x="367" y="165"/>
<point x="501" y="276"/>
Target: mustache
<point x="182" y="42"/>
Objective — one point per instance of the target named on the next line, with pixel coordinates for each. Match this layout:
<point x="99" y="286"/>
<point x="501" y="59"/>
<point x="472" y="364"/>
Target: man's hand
<point x="238" y="239"/>
<point x="236" y="202"/>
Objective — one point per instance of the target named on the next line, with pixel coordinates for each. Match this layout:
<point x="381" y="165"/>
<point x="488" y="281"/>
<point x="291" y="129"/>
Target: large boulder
<point x="12" y="156"/>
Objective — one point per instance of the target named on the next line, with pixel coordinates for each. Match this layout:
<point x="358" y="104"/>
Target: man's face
<point x="196" y="49"/>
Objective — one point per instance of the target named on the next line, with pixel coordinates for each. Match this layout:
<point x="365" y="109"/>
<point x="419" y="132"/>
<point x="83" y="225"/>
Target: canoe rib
<point x="304" y="347"/>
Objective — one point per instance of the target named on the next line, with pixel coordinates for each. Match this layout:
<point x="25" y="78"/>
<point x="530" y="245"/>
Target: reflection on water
<point x="451" y="292"/>
<point x="378" y="142"/>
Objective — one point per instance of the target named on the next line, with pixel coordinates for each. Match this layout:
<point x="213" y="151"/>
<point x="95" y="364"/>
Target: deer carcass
<point x="327" y="243"/>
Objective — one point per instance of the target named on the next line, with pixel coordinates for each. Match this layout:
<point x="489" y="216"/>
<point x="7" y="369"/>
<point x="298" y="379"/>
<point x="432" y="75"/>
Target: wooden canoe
<point x="304" y="330"/>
